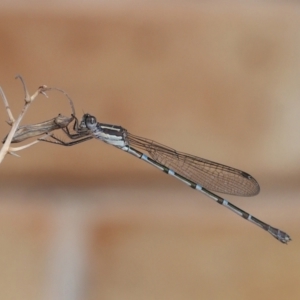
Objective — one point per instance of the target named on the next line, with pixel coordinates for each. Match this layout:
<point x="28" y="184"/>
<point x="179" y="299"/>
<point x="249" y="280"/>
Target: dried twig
<point x="18" y="134"/>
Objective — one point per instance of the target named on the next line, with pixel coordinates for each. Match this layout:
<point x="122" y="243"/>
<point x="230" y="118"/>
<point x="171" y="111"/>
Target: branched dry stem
<point x="15" y="123"/>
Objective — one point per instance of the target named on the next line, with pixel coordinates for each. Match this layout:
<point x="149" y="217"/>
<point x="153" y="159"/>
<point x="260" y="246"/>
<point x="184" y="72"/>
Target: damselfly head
<point x="89" y="121"/>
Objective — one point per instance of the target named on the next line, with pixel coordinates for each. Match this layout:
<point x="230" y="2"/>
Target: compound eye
<point x="91" y="122"/>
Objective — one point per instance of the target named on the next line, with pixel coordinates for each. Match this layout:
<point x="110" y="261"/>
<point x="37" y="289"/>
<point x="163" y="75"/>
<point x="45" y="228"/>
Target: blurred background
<point x="91" y="222"/>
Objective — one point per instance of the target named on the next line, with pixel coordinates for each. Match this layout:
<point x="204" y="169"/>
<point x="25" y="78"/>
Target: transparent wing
<point x="210" y="175"/>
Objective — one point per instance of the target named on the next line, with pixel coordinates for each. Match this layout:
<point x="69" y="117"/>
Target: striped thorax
<point x="110" y="134"/>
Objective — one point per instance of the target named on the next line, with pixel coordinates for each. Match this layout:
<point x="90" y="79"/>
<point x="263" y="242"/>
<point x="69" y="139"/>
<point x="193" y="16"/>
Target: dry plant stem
<point x="15" y="123"/>
<point x="10" y="115"/>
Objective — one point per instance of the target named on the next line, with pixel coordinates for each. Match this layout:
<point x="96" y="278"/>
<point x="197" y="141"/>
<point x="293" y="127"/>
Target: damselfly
<point x="198" y="173"/>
